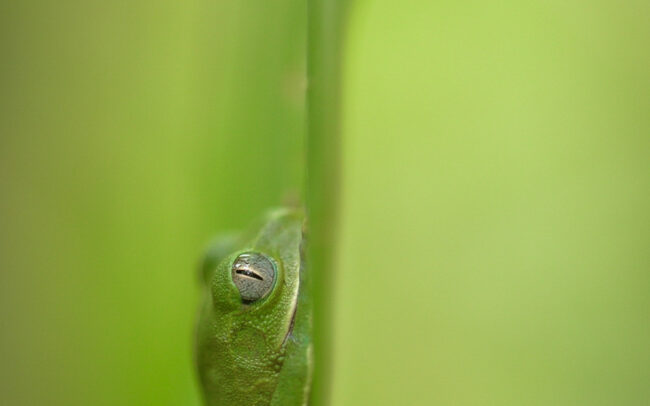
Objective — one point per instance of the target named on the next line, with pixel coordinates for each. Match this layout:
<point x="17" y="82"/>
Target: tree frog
<point x="253" y="343"/>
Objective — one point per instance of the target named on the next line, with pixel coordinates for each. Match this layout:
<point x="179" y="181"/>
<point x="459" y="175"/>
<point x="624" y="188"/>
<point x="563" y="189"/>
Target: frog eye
<point x="253" y="274"/>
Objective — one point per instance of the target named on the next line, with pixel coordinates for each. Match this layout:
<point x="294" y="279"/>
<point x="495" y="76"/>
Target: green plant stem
<point x="325" y="30"/>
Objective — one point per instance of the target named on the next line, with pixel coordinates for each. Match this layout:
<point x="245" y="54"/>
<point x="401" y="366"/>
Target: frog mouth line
<point x="291" y="323"/>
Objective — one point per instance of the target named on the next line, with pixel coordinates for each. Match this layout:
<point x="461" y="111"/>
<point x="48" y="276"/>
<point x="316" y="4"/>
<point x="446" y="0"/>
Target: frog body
<point x="253" y="334"/>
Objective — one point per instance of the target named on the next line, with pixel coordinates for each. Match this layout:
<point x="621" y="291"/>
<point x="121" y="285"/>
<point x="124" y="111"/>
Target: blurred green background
<point x="495" y="223"/>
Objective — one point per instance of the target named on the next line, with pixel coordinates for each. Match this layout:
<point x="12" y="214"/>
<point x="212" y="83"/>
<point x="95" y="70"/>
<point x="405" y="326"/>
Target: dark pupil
<point x="249" y="273"/>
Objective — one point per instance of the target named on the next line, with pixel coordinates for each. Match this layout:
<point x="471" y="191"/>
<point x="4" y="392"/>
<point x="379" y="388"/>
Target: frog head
<point x="251" y="286"/>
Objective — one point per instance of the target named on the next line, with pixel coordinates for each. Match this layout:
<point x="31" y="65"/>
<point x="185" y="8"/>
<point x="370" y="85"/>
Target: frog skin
<point x="253" y="343"/>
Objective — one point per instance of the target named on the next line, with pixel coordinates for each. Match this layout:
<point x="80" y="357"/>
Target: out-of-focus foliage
<point x="129" y="133"/>
<point x="496" y="217"/>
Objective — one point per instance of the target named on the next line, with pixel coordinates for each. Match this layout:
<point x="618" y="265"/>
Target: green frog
<point x="253" y="343"/>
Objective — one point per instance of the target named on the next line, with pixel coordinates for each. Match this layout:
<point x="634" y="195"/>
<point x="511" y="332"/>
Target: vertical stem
<point x="323" y="173"/>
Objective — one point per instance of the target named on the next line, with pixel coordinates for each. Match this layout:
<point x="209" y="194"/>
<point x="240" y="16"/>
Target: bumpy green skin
<point x="256" y="354"/>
